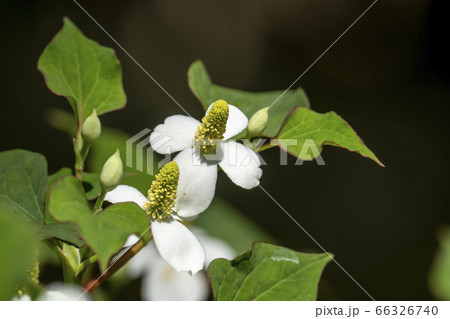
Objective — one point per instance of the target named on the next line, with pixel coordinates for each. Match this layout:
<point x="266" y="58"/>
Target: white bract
<point x="62" y="292"/>
<point x="58" y="291"/>
<point x="161" y="282"/>
<point x="175" y="242"/>
<point x="203" y="146"/>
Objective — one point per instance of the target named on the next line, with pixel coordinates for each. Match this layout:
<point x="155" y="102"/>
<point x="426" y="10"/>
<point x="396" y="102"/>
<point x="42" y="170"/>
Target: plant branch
<point x="266" y="147"/>
<point x="99" y="202"/>
<point x="82" y="266"/>
<point x="119" y="263"/>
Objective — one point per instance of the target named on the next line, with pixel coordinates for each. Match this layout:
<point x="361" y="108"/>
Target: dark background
<point x="388" y="77"/>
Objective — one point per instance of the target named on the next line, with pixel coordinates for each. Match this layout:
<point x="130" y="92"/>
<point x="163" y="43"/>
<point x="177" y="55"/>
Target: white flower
<point x="62" y="292"/>
<point x="21" y="298"/>
<point x="203" y="146"/>
<point x="58" y="291"/>
<point x="175" y="242"/>
<point x="161" y="282"/>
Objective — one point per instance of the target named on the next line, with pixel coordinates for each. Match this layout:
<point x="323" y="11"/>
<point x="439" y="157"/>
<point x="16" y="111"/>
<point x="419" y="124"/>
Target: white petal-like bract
<point x="214" y="247"/>
<point x="197" y="183"/>
<point x="178" y="246"/>
<point x="62" y="292"/>
<point x="241" y="164"/>
<point x="175" y="134"/>
<point x="125" y="193"/>
<point x="165" y="284"/>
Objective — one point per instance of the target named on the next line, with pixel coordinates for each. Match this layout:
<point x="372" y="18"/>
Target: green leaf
<point x="248" y="102"/>
<point x="91" y="182"/>
<point x="235" y="228"/>
<point x="23" y="175"/>
<point x="65" y="232"/>
<point x="88" y="74"/>
<point x="17" y="253"/>
<point x="91" y="185"/>
<point x="309" y="131"/>
<point x="52" y="179"/>
<point x="267" y="272"/>
<point x="105" y="233"/>
<point x="439" y="279"/>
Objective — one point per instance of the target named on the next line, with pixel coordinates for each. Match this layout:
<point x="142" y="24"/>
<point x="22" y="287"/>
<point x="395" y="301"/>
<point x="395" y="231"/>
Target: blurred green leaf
<point x="51" y="179"/>
<point x="267" y="272"/>
<point x="65" y="232"/>
<point x="23" y="175"/>
<point x="105" y="233"/>
<point x="249" y="102"/>
<point x="312" y="130"/>
<point x="88" y="74"/>
<point x="17" y="253"/>
<point x="440" y="271"/>
<point x="235" y="228"/>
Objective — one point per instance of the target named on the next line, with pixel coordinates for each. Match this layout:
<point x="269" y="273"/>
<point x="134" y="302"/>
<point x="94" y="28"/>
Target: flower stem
<point x="79" y="163"/>
<point x="119" y="263"/>
<point x="81" y="149"/>
<point x="99" y="202"/>
<point x="68" y="273"/>
<point x="266" y="147"/>
<point x="82" y="266"/>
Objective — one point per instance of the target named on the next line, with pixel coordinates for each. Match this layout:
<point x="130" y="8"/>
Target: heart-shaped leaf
<point x="105" y="233"/>
<point x="23" y="177"/>
<point x="305" y="132"/>
<point x="248" y="102"/>
<point x="88" y="74"/>
<point x="267" y="272"/>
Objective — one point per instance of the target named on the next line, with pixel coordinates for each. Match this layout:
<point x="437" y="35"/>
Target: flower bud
<point x="91" y="128"/>
<point x="258" y="122"/>
<point x="112" y="172"/>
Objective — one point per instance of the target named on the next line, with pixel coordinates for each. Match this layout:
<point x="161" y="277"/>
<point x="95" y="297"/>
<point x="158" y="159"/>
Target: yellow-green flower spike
<point x="163" y="192"/>
<point x="212" y="127"/>
<point x="34" y="272"/>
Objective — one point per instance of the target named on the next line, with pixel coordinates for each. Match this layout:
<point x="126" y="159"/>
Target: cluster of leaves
<point x="56" y="209"/>
<point x="290" y="116"/>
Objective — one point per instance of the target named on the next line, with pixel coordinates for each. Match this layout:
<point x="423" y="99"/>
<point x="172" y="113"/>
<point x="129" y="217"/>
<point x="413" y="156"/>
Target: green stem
<point x="119" y="263"/>
<point x="79" y="162"/>
<point x="266" y="147"/>
<point x="98" y="204"/>
<point x="84" y="151"/>
<point x="82" y="266"/>
<point x="81" y="150"/>
<point x="68" y="273"/>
